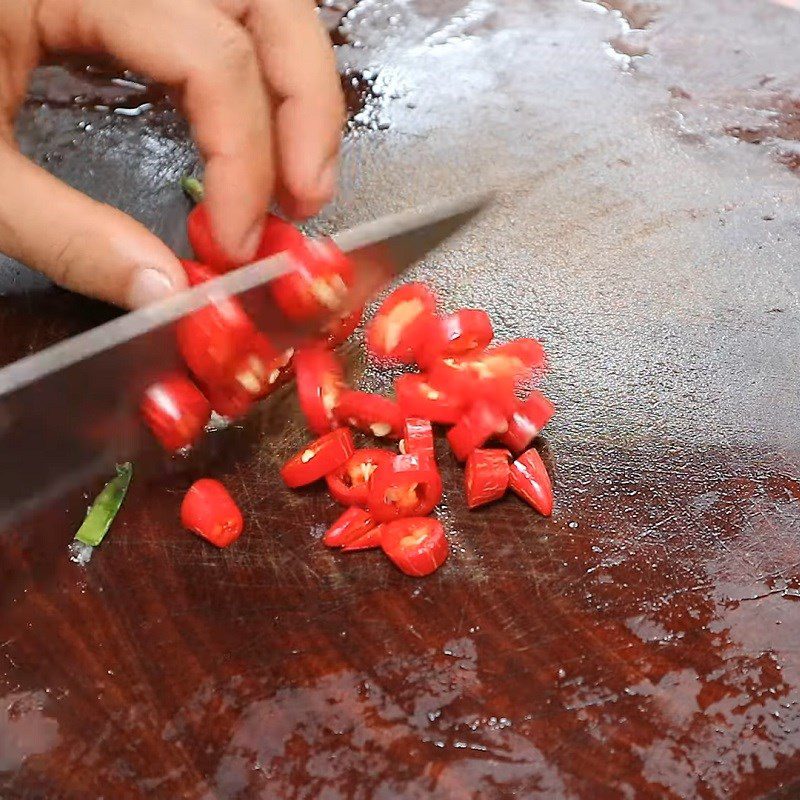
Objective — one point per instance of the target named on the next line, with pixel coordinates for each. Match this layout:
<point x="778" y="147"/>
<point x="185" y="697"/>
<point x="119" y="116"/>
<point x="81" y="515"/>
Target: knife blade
<point x="70" y="412"/>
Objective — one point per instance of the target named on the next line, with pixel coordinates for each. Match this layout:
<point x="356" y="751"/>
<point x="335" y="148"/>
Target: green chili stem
<point x="193" y="187"/>
<point x="105" y="507"/>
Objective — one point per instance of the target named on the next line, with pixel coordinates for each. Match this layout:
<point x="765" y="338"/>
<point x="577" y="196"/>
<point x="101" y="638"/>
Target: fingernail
<point x="148" y="286"/>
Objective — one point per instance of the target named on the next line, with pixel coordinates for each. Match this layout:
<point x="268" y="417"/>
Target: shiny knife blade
<point x="70" y="412"/>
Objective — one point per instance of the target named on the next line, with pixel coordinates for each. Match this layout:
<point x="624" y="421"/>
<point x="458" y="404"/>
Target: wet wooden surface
<point x="641" y="644"/>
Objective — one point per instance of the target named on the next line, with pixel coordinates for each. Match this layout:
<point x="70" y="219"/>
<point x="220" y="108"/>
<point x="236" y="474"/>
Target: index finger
<point x="192" y="46"/>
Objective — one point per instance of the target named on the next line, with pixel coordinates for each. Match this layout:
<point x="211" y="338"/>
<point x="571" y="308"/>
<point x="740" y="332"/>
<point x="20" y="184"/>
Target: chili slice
<point x="416" y="546"/>
<point x="209" y="511"/>
<point x="340" y="330"/>
<point x="418" y="397"/>
<point x="475" y="428"/>
<point x="349" y="484"/>
<point x="228" y="399"/>
<point x="319" y="384"/>
<point x="527" y="422"/>
<point x="367" y="541"/>
<point x="529" y="480"/>
<point x="454" y="334"/>
<point x="318" y="284"/>
<point x="371" y="413"/>
<point x="417" y="437"/>
<point x="255" y="369"/>
<point x="400" y="322"/>
<point x="211" y="339"/>
<point x="176" y="411"/>
<point x="350" y="526"/>
<point x="406" y="486"/>
<point x="318" y="458"/>
<point x="486" y="476"/>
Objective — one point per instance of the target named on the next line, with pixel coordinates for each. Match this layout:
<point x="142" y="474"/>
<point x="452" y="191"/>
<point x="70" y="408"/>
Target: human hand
<point x="257" y="81"/>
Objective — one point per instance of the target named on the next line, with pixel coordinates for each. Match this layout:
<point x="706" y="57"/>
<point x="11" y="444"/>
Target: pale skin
<point x="256" y="80"/>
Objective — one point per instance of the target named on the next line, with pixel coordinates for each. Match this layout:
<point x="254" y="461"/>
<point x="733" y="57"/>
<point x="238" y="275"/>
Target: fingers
<point x="298" y="62"/>
<point x="193" y="46"/>
<point x="79" y="243"/>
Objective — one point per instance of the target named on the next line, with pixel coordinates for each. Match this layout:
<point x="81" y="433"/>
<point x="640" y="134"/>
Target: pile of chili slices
<point x="466" y="383"/>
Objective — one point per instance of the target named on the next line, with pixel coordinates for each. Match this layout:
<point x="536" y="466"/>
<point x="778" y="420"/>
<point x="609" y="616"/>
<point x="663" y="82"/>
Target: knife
<point x="70" y="412"/>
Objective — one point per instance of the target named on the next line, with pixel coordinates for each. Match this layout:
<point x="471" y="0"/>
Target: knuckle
<point x="235" y="50"/>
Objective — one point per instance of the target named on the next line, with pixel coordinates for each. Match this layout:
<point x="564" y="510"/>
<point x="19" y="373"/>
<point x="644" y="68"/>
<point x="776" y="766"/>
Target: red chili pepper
<point x="416" y="546"/>
<point x="319" y="283"/>
<point x="367" y="541"/>
<point x="197" y="273"/>
<point x="514" y="362"/>
<point x="486" y="477"/>
<point x="201" y="238"/>
<point x="454" y="334"/>
<point x="319" y="458"/>
<point x="278" y="236"/>
<point x="209" y="511"/>
<point x="419" y="398"/>
<point x="211" y="339"/>
<point x="527" y="422"/>
<point x="529" y="480"/>
<point x="228" y="399"/>
<point x="406" y="486"/>
<point x="475" y="428"/>
<point x="319" y="384"/>
<point x="371" y="413"/>
<point x="349" y="484"/>
<point x="254" y="369"/>
<point x="396" y="329"/>
<point x="349" y="527"/>
<point x="176" y="411"/>
<point x="340" y="330"/>
<point x="417" y="437"/>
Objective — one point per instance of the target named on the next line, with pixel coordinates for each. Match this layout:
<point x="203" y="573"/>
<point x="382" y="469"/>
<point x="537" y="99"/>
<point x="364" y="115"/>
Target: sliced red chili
<point x="228" y="399"/>
<point x="349" y="484"/>
<point x="320" y="381"/>
<point x="475" y="428"/>
<point x="209" y="511"/>
<point x="416" y="546"/>
<point x="371" y="413"/>
<point x="197" y="273"/>
<point x="367" y="541"/>
<point x="454" y="334"/>
<point x="318" y="458"/>
<point x="486" y="476"/>
<point x="396" y="329"/>
<point x="340" y="330"/>
<point x="513" y="362"/>
<point x="406" y="486"/>
<point x="319" y="283"/>
<point x="176" y="411"/>
<point x="527" y="422"/>
<point x="418" y="397"/>
<point x="349" y="527"/>
<point x="211" y="339"/>
<point x="529" y="480"/>
<point x="253" y="369"/>
<point x="417" y="437"/>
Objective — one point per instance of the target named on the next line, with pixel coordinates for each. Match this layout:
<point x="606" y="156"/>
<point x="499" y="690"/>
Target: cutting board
<point x="642" y="643"/>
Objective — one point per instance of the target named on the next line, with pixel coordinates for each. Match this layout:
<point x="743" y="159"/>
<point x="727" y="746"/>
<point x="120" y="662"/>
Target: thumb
<point x="78" y="243"/>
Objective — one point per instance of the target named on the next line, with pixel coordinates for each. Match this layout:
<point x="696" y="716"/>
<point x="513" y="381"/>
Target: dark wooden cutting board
<point x="642" y="643"/>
